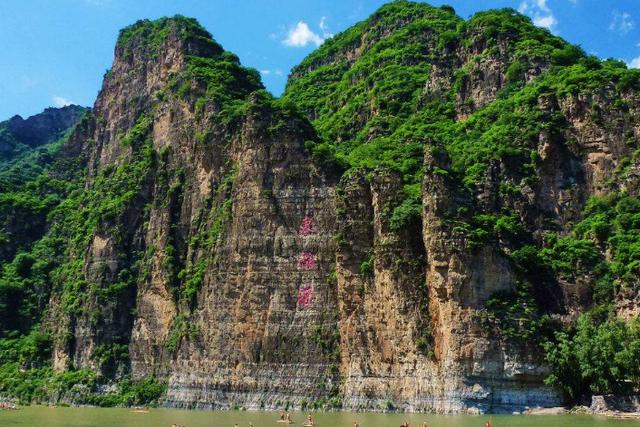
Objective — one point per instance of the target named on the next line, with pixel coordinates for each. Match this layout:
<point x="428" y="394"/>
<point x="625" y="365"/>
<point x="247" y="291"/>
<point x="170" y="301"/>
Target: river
<point x="42" y="416"/>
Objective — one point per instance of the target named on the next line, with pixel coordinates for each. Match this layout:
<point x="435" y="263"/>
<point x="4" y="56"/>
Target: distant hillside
<point x="18" y="135"/>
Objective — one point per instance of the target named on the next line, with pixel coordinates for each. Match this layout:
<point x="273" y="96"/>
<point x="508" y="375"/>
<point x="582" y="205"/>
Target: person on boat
<point x="288" y="418"/>
<point x="281" y="415"/>
<point x="309" y="420"/>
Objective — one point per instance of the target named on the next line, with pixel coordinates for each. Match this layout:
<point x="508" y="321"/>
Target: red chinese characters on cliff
<point x="306" y="226"/>
<point x="307" y="260"/>
<point x="305" y="296"/>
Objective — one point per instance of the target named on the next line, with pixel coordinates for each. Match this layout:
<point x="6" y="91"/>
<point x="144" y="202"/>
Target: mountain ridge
<point x="438" y="215"/>
<point x="19" y="135"/>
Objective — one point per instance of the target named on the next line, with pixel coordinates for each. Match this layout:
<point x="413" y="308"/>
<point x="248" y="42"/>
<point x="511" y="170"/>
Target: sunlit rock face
<point x="333" y="250"/>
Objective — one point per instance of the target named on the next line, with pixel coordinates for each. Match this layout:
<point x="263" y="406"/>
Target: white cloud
<point x="621" y="22"/>
<point x="276" y="72"/>
<point x="547" y="22"/>
<point x="301" y="35"/>
<point x="542" y="5"/>
<point x="540" y="13"/>
<point x="524" y="6"/>
<point x="60" y="101"/>
<point x="99" y="3"/>
<point x="326" y="34"/>
<point x="323" y="24"/>
<point x="634" y="63"/>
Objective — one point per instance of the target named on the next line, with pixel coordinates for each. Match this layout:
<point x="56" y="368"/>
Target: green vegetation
<point x="65" y="209"/>
<point x="516" y="316"/>
<point x="23" y="141"/>
<point x="598" y="357"/>
<point x="605" y="245"/>
<point x="213" y="77"/>
<point x="148" y="36"/>
<point x="367" y="267"/>
<point x="358" y="106"/>
<point x="11" y="147"/>
<point x="375" y="113"/>
<point x="33" y="193"/>
<point x="327" y="340"/>
<point x="424" y="342"/>
<point x="378" y="101"/>
<point x="204" y="242"/>
<point x="366" y="91"/>
<point x="25" y="373"/>
<point x="54" y="189"/>
<point x="180" y="328"/>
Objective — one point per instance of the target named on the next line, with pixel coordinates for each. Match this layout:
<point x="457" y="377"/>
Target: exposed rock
<point x="611" y="405"/>
<point x="237" y="266"/>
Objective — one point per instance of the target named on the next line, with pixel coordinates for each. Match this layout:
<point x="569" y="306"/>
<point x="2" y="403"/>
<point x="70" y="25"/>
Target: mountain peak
<point x="171" y="56"/>
<point x="148" y="38"/>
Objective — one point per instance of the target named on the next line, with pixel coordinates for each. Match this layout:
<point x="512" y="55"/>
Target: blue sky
<point x="53" y="52"/>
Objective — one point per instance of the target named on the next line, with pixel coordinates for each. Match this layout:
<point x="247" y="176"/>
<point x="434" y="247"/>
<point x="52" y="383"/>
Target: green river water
<point x="41" y="416"/>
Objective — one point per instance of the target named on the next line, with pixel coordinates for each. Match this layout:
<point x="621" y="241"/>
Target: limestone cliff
<point x="214" y="268"/>
<point x="389" y="235"/>
<point x="483" y="81"/>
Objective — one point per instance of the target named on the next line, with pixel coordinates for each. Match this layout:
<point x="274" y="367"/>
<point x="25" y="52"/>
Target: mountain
<point x="438" y="215"/>
<point x="27" y="148"/>
<point x="18" y="134"/>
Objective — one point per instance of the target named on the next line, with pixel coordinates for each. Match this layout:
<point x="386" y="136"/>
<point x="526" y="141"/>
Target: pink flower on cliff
<point x="305" y="227"/>
<point x="307" y="260"/>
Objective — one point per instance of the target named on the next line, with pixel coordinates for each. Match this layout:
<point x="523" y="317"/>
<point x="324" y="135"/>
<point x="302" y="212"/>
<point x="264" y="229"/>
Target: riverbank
<point x="622" y="407"/>
<point x="626" y="407"/>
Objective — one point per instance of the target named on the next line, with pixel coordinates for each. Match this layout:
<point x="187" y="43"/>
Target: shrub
<point x="596" y="358"/>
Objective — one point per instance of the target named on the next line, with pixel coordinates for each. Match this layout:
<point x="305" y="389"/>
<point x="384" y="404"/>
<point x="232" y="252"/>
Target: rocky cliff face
<point x="460" y="269"/>
<point x="226" y="240"/>
<point x="383" y="249"/>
